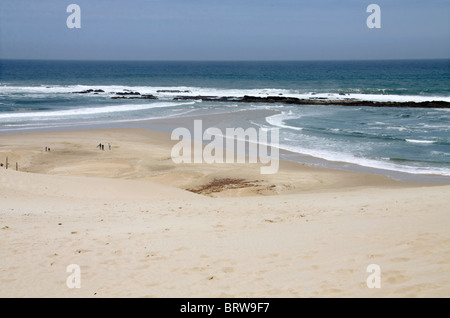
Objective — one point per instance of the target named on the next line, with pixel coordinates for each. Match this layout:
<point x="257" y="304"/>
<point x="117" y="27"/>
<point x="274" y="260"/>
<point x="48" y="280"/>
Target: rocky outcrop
<point x="171" y="91"/>
<point x="128" y="93"/>
<point x="88" y="91"/>
<point x="280" y="99"/>
<point x="315" y="101"/>
<point x="134" y="96"/>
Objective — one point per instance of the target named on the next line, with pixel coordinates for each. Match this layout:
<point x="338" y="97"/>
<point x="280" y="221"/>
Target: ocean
<point x="43" y="95"/>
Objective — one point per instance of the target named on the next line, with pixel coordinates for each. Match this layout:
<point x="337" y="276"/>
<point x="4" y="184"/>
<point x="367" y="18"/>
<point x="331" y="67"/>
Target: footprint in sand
<point x="274" y="220"/>
<point x="228" y="270"/>
<point x="345" y="271"/>
<point x="82" y="251"/>
<point x="400" y="259"/>
<point x="395" y="277"/>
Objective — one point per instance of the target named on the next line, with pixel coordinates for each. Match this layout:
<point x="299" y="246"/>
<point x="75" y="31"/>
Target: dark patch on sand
<point x="219" y="185"/>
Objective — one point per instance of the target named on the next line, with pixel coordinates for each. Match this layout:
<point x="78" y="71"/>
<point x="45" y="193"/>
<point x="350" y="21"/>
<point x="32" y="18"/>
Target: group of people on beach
<point x="102" y="147"/>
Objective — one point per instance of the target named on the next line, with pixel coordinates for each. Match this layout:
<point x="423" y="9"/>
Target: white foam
<point x="259" y="124"/>
<point x="219" y="92"/>
<point x="365" y="162"/>
<point x="12" y="127"/>
<point x="278" y="120"/>
<point x="440" y="153"/>
<point x="420" y="141"/>
<point x="88" y="111"/>
<point x="397" y="128"/>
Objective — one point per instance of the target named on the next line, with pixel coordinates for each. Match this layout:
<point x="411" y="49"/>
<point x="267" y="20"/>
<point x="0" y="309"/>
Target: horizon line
<point x="224" y="60"/>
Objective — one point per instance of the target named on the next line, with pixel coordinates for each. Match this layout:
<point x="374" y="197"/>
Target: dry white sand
<point x="125" y="218"/>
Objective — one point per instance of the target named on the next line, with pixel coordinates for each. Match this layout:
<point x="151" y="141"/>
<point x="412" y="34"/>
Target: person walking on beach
<point x="109" y="146"/>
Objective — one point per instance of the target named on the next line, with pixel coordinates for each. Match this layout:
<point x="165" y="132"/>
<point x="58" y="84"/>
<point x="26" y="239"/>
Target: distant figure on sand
<point x="109" y="146"/>
<point x="99" y="146"/>
<point x="103" y="147"/>
<point x="46" y="149"/>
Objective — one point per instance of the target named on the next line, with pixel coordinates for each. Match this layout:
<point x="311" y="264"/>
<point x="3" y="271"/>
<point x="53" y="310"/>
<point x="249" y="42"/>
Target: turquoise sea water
<point x="40" y="95"/>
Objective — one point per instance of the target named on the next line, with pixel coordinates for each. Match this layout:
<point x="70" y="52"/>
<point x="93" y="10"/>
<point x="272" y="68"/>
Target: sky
<point x="224" y="30"/>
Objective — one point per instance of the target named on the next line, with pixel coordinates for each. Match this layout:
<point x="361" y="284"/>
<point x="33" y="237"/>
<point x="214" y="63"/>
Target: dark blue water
<point x="424" y="77"/>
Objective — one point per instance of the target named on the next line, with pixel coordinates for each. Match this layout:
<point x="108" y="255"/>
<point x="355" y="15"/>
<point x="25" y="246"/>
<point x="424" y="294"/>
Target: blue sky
<point x="224" y="30"/>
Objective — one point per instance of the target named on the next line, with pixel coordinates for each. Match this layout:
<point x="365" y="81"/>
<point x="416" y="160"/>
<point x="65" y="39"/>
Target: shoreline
<point x="221" y="119"/>
<point x="74" y="153"/>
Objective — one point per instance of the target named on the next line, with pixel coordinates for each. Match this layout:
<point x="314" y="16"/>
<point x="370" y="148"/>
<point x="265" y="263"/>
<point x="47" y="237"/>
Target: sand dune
<point x="125" y="217"/>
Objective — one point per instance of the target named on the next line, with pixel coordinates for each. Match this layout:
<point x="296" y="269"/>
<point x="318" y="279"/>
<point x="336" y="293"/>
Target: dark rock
<point x="148" y="97"/>
<point x="89" y="91"/>
<point x="132" y="96"/>
<point x="171" y="91"/>
<point x="128" y="93"/>
<point x="204" y="98"/>
<point x="315" y="101"/>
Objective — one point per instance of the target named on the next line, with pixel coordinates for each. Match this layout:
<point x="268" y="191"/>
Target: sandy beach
<point x="139" y="225"/>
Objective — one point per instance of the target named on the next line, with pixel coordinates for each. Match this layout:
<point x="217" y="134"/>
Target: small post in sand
<point x="17" y="166"/>
<point x="6" y="162"/>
